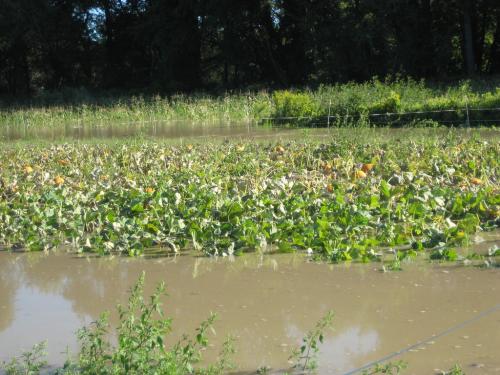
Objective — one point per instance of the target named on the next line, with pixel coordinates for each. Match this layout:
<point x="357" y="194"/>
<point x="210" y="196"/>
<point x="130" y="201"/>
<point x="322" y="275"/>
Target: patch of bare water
<point x="268" y="303"/>
<point x="165" y="130"/>
<point x="192" y="131"/>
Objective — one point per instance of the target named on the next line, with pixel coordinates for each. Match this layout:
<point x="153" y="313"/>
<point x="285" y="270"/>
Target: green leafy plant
<point x="444" y="254"/>
<point x="294" y="104"/>
<point x="494" y="251"/>
<point x="391" y="368"/>
<point x="455" y="370"/>
<point x="305" y="356"/>
<point x="29" y="363"/>
<point x="140" y="347"/>
<point x="399" y="256"/>
<point x="389" y="104"/>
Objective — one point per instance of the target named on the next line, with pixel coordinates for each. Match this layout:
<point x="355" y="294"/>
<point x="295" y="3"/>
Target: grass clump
<point x="391" y="103"/>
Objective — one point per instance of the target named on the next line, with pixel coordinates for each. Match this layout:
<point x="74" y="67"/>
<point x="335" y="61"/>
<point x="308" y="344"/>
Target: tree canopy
<point x="185" y="45"/>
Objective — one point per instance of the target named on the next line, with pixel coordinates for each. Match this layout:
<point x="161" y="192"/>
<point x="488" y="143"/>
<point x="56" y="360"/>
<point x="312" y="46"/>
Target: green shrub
<point x="261" y="107"/>
<point x="294" y="104"/>
<point x="389" y="104"/>
<point x="491" y="99"/>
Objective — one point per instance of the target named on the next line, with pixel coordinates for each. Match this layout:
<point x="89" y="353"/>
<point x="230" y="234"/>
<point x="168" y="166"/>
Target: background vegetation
<point x="347" y="103"/>
<point x="175" y="46"/>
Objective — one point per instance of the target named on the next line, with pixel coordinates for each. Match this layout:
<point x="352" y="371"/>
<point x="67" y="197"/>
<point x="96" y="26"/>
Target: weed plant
<point x="306" y="356"/>
<point x="140" y="349"/>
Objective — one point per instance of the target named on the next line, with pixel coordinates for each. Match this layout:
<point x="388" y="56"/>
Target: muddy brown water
<point x="186" y="130"/>
<point x="166" y="130"/>
<point x="268" y="302"/>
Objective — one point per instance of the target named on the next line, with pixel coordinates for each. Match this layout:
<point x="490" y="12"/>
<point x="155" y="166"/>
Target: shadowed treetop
<point x="185" y="45"/>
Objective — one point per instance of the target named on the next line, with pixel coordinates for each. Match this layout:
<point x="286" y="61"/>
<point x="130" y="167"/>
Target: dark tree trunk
<point x="19" y="78"/>
<point x="468" y="37"/>
<point x="226" y="74"/>
<point x="495" y="47"/>
<point x="479" y="27"/>
<point x="426" y="40"/>
<point x="293" y="34"/>
<point x="266" y="38"/>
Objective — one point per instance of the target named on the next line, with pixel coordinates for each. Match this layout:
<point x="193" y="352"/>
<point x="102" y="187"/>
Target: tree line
<point x="185" y="45"/>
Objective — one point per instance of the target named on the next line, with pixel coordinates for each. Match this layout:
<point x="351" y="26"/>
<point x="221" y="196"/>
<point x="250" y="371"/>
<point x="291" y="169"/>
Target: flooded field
<point x="185" y="130"/>
<point x="268" y="302"/>
<point x="342" y="196"/>
<point x="166" y="130"/>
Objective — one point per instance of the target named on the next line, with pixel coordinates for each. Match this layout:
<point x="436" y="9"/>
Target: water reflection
<point x="151" y="130"/>
<point x="268" y="302"/>
<point x="9" y="283"/>
<point x="180" y="130"/>
<point x="41" y="316"/>
<point x="339" y="353"/>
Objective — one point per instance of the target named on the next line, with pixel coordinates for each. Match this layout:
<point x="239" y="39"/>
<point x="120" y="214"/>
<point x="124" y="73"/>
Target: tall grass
<point x="411" y="95"/>
<point x="137" y="109"/>
<point x="79" y="107"/>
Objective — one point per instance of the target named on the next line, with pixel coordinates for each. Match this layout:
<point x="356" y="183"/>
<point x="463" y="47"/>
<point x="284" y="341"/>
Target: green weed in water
<point x="28" y="363"/>
<point x="455" y="370"/>
<point x="391" y="368"/>
<point x="140" y="347"/>
<point x="305" y="357"/>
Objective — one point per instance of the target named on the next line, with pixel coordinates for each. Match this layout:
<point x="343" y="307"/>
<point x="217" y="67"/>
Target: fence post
<point x="329" y="111"/>
<point x="467" y="123"/>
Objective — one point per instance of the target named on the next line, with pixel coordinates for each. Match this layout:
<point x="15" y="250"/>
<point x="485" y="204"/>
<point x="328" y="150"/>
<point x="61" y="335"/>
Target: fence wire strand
<point x="345" y="117"/>
<point x="447" y="331"/>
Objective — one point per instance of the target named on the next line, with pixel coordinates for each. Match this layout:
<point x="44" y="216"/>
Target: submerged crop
<point x="340" y="200"/>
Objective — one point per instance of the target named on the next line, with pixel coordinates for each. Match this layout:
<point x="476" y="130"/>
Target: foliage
<point x="348" y="104"/>
<point x="444" y="254"/>
<point x="455" y="370"/>
<point x="391" y="368"/>
<point x="399" y="256"/>
<point x="225" y="198"/>
<point x="493" y="251"/>
<point x="293" y="104"/>
<point x="29" y="363"/>
<point x="401" y="102"/>
<point x="123" y="110"/>
<point x="389" y="104"/>
<point x="305" y="357"/>
<point x="157" y="46"/>
<point x="140" y="347"/>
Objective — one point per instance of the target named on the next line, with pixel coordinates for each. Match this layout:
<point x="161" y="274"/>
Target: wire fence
<point x="458" y="116"/>
<point x="420" y="343"/>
